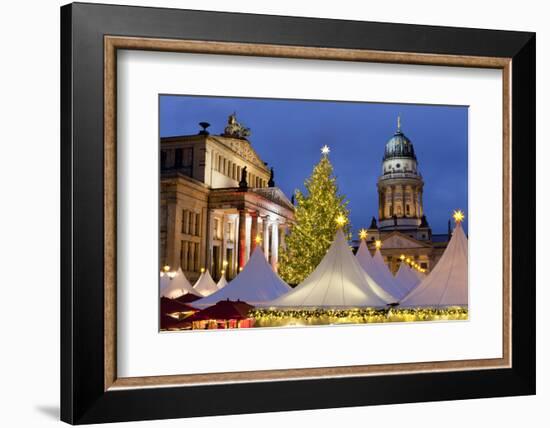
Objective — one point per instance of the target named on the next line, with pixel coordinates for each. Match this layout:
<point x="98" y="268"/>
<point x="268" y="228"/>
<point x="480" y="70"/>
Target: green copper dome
<point x="399" y="146"/>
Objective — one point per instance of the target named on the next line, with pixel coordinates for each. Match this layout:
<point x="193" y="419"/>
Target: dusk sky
<point x="289" y="134"/>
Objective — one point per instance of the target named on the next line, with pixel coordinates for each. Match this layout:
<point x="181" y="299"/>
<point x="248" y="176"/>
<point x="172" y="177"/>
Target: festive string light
<point x="202" y="270"/>
<point x="363" y="234"/>
<point x="378" y="244"/>
<point x="402" y="257"/>
<point x="458" y="215"/>
<point x="273" y="317"/>
<point x="166" y="268"/>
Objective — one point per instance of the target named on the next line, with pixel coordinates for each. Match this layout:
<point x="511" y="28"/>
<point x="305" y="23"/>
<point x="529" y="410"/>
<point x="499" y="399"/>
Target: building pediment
<point x="242" y="148"/>
<point x="398" y="240"/>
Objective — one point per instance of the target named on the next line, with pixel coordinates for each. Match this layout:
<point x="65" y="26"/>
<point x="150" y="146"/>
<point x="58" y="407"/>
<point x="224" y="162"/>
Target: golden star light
<point x="258" y="239"/>
<point x="458" y="215"/>
<point x="363" y="234"/>
<point x="341" y="220"/>
<point x="325" y="150"/>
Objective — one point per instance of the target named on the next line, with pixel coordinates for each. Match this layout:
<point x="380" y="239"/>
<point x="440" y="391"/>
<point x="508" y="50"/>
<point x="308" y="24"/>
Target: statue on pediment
<point x="234" y="129"/>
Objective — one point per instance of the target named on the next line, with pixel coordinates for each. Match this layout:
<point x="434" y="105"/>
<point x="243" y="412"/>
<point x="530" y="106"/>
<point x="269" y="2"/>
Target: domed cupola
<point x="399" y="146"/>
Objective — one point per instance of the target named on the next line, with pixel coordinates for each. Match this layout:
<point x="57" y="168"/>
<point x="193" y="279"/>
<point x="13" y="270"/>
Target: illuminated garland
<point x="304" y="317"/>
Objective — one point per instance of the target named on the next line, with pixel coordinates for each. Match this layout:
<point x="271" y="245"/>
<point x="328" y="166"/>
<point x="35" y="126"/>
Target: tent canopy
<point x="406" y="278"/>
<point x="338" y="281"/>
<point x="223" y="310"/>
<point x="447" y="284"/>
<point x="222" y="282"/>
<point x="256" y="283"/>
<point x="177" y="286"/>
<point x="378" y="271"/>
<point x="205" y="285"/>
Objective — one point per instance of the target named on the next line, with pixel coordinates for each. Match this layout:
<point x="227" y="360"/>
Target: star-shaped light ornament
<point x="258" y="239"/>
<point x="458" y="215"/>
<point x="363" y="234"/>
<point x="325" y="150"/>
<point x="341" y="220"/>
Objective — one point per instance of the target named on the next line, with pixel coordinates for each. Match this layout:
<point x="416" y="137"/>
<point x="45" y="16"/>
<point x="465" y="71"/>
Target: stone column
<point x="265" y="228"/>
<point x="242" y="238"/>
<point x="253" y="231"/>
<point x="274" y="245"/>
<point x="420" y="204"/>
<point x="392" y="211"/>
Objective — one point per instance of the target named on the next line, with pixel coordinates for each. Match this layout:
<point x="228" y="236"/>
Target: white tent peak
<point x="255" y="284"/>
<point x="205" y="285"/>
<point x="405" y="278"/>
<point x="338" y="281"/>
<point x="376" y="268"/>
<point x="222" y="282"/>
<point x="177" y="286"/>
<point x="447" y="283"/>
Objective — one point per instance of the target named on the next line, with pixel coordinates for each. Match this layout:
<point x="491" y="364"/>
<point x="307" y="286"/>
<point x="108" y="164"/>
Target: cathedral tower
<point x="400" y="186"/>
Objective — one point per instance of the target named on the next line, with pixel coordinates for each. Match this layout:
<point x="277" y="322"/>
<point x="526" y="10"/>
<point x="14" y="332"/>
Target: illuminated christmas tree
<point x="316" y="213"/>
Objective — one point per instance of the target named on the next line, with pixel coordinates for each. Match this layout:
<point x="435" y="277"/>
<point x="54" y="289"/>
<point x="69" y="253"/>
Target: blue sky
<point x="288" y="134"/>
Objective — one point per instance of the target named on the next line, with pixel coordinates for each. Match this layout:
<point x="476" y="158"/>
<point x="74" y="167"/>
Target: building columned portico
<point x="218" y="202"/>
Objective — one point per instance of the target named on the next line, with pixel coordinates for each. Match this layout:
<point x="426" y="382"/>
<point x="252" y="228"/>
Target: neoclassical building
<point x="402" y="224"/>
<point x="218" y="200"/>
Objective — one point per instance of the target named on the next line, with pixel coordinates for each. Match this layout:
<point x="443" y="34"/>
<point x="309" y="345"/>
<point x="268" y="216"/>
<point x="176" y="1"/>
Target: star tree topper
<point x="325" y="150"/>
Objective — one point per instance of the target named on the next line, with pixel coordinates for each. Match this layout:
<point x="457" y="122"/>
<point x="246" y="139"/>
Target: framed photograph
<point x="270" y="213"/>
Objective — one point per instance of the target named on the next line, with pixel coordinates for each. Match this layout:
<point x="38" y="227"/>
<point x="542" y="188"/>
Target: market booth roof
<point x="177" y="286"/>
<point x="223" y="310"/>
<point x="222" y="282"/>
<point x="338" y="281"/>
<point x="256" y="283"/>
<point x="406" y="279"/>
<point x="205" y="285"/>
<point x="170" y="306"/>
<point x="447" y="283"/>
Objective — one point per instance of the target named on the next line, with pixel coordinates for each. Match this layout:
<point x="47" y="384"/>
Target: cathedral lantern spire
<point x="398" y="123"/>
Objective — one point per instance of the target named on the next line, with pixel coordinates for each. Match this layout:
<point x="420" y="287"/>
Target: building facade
<point x="218" y="201"/>
<point x="402" y="225"/>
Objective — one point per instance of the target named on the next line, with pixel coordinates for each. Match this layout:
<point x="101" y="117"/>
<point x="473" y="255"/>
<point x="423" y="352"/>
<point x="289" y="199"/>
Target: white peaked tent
<point x="365" y="259"/>
<point x="447" y="283"/>
<point x="420" y="275"/>
<point x="378" y="271"/>
<point x="338" y="281"/>
<point x="205" y="285"/>
<point x="222" y="282"/>
<point x="177" y="286"/>
<point x="406" y="279"/>
<point x="257" y="283"/>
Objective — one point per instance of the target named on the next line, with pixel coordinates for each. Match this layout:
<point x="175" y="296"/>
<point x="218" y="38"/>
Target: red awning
<point x="223" y="310"/>
<point x="169" y="306"/>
